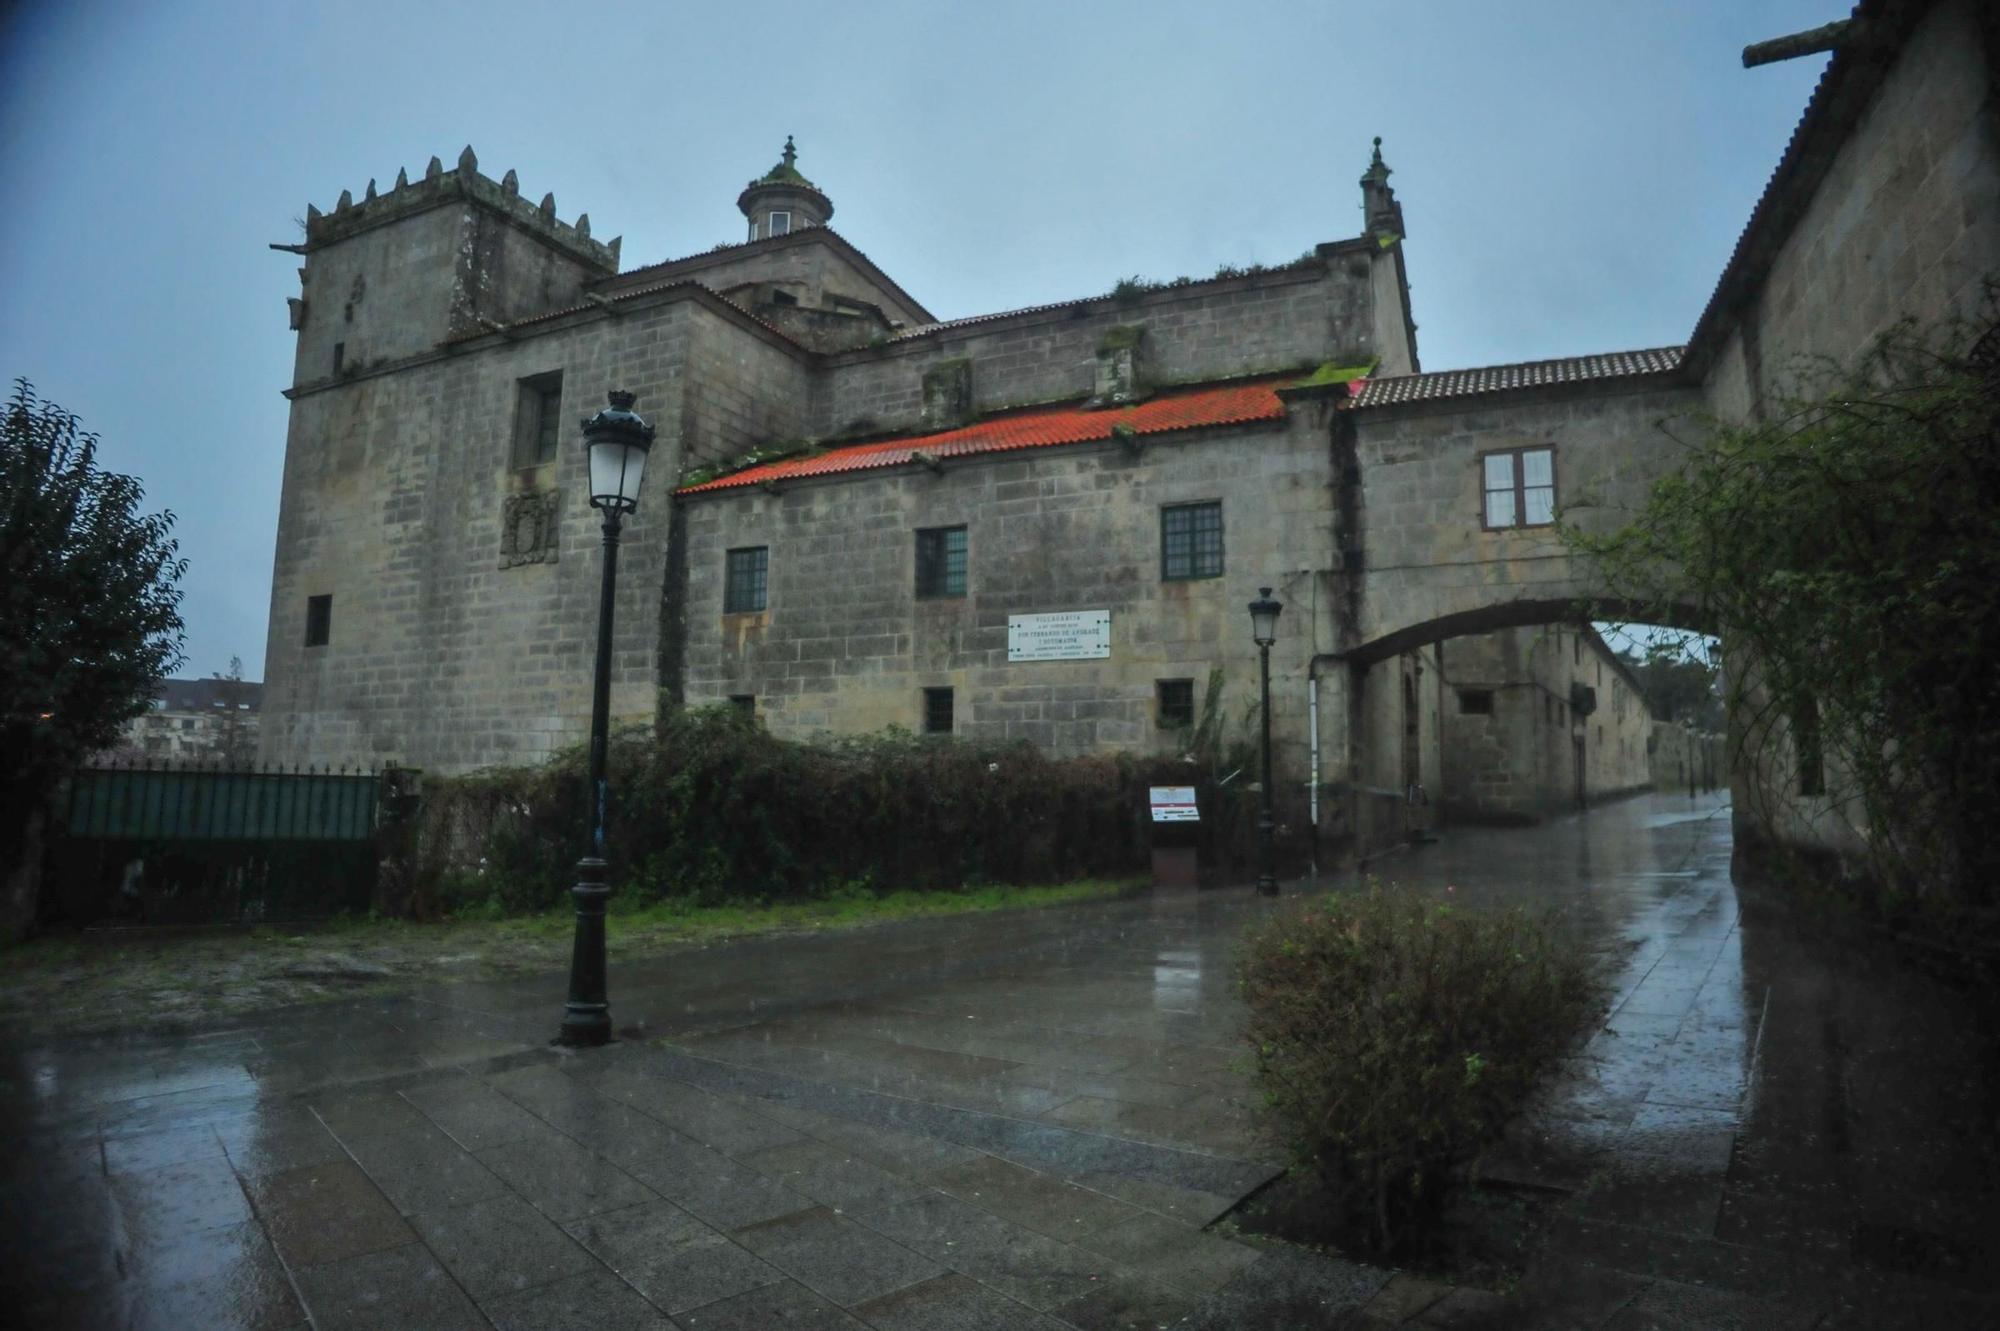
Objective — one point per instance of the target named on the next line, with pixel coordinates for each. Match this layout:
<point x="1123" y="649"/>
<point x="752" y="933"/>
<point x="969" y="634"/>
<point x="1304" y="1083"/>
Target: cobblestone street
<point x="1030" y="1120"/>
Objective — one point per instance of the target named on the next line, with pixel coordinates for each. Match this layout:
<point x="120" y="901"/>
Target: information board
<point x="1174" y="804"/>
<point x="1072" y="635"/>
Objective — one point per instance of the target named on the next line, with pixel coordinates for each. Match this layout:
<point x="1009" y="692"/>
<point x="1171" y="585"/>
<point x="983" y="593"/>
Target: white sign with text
<point x="1174" y="804"/>
<point x="1073" y="635"/>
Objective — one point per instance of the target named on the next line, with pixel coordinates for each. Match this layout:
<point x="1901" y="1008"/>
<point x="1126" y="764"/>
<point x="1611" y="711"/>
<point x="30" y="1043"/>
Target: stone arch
<point x="1519" y="612"/>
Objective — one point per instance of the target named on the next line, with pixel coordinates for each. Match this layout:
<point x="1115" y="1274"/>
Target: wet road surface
<point x="1015" y="1121"/>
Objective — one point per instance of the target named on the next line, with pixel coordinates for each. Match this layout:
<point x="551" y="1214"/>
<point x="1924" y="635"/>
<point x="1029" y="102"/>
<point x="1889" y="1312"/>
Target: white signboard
<point x="1174" y="804"/>
<point x="1074" y="635"/>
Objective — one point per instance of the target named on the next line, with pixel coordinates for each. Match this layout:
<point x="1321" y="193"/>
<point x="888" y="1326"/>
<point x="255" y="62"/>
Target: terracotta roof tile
<point x="1185" y="409"/>
<point x="1386" y="392"/>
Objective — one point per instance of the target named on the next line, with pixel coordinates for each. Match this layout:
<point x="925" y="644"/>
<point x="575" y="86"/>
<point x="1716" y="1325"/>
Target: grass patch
<point x="680" y="920"/>
<point x="71" y="983"/>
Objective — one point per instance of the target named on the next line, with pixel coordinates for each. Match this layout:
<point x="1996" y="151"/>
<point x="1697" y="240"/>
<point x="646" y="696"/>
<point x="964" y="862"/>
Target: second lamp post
<point x="1264" y="628"/>
<point x="617" y="442"/>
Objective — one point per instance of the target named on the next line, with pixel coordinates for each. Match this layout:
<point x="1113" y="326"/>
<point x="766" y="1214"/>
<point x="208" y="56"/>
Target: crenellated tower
<point x="393" y="275"/>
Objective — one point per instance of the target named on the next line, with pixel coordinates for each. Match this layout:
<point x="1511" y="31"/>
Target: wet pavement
<point x="1017" y="1121"/>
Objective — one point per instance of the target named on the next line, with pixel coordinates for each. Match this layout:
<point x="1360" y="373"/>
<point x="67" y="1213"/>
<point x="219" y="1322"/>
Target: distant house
<point x="197" y="720"/>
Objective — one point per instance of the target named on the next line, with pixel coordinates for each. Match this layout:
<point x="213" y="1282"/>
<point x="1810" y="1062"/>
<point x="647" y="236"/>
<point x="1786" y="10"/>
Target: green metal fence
<point x="197" y="804"/>
<point x="149" y="844"/>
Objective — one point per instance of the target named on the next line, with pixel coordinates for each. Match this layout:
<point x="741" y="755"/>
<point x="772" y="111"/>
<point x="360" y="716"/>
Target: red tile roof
<point x="1184" y="409"/>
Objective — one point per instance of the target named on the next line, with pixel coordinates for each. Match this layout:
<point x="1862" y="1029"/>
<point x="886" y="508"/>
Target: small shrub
<point x="1395" y="1037"/>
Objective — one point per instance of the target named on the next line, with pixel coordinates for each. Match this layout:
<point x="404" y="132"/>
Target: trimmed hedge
<point x="1395" y="1038"/>
<point x="711" y="807"/>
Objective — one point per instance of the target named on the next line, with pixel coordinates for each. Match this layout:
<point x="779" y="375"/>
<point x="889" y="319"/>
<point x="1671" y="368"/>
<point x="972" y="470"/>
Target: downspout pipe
<point x="1312" y="743"/>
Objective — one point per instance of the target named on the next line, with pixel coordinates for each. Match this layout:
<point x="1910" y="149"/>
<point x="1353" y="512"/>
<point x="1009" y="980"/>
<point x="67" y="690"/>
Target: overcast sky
<point x="1573" y="175"/>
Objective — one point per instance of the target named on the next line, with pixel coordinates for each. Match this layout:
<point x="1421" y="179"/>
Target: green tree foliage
<point x="1680" y="685"/>
<point x="1395" y="1038"/>
<point x="89" y="616"/>
<point x="1845" y="547"/>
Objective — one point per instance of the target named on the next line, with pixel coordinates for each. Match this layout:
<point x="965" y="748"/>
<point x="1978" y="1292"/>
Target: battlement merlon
<point x="440" y="187"/>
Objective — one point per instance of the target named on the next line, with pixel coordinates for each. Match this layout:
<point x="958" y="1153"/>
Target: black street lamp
<point x="1264" y="614"/>
<point x="616" y="441"/>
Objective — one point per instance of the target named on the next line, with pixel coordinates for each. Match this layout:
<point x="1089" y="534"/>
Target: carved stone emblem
<point x="528" y="528"/>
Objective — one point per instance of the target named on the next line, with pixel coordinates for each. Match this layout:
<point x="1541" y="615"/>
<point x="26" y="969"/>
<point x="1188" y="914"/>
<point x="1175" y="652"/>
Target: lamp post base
<point x="587" y="1014"/>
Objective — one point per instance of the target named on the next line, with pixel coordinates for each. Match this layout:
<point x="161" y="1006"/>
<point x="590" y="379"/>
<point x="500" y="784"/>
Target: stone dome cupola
<point x="782" y="200"/>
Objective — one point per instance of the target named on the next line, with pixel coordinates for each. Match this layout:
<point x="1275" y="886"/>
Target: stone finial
<point x="1378" y="170"/>
<point x="510" y="184"/>
<point x="434" y="170"/>
<point x="467" y="162"/>
<point x="583" y="226"/>
<point x="370" y="193"/>
<point x="549" y="207"/>
<point x="345" y="201"/>
<point x="313" y="214"/>
<point x="617" y="243"/>
<point x="402" y="178"/>
<point x="790" y="154"/>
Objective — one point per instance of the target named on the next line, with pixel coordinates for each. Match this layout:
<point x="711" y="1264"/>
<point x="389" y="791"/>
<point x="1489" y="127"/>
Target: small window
<point x="319" y="620"/>
<point x="1190" y="542"/>
<point x="1810" y="751"/>
<point x="538" y="421"/>
<point x="746" y="579"/>
<point x="746" y="704"/>
<point x="783" y="297"/>
<point x="941" y="562"/>
<point x="339" y="356"/>
<point x="1520" y="488"/>
<point x="1176" y="703"/>
<point x="937" y="712"/>
<point x="781" y="223"/>
<point x="1475" y="702"/>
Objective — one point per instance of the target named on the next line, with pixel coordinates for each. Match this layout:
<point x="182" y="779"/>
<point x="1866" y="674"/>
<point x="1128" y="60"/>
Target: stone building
<point x="1043" y="523"/>
<point x="1539" y="721"/>
<point x="195" y="720"/>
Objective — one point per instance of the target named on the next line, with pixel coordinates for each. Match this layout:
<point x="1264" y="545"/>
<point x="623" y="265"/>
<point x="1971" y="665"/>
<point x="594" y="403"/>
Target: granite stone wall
<point x="845" y="645"/>
<point x="395" y="491"/>
<point x="1418" y="520"/>
<point x="1906" y="222"/>
<point x="1517" y="760"/>
<point x="1296" y="318"/>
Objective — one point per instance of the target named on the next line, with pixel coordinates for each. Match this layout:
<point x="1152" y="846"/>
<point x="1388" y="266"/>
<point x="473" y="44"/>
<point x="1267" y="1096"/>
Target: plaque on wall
<point x="1072" y="635"/>
<point x="528" y="528"/>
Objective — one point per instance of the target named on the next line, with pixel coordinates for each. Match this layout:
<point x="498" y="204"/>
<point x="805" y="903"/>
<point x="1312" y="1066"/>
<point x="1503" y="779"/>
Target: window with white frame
<point x="1520" y="488"/>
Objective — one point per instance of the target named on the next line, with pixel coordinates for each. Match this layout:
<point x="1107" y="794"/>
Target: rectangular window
<point x="538" y="420"/>
<point x="941" y="562"/>
<point x="1190" y="542"/>
<point x="339" y="356"/>
<point x="1475" y="702"/>
<point x="781" y="224"/>
<point x="937" y="712"/>
<point x="1520" y="488"/>
<point x="1176" y="703"/>
<point x="319" y="620"/>
<point x="746" y="578"/>
<point x="1811" y="753"/>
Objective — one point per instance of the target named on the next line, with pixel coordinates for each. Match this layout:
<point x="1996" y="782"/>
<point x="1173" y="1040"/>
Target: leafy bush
<point x="1395" y="1037"/>
<point x="710" y="808"/>
<point x="1842" y="544"/>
